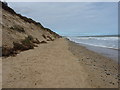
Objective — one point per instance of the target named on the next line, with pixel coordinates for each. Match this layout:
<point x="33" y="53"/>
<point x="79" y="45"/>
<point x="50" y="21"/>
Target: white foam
<point x="98" y="41"/>
<point x="99" y="38"/>
<point x="97" y="45"/>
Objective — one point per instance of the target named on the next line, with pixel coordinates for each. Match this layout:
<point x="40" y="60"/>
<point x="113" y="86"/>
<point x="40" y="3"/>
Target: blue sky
<point x="72" y="18"/>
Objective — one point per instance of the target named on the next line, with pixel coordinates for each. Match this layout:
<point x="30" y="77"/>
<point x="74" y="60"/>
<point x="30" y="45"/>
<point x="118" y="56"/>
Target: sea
<point x="106" y="45"/>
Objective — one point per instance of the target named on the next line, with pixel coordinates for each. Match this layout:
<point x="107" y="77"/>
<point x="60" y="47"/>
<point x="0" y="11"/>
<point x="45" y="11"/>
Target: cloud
<point x="62" y="0"/>
<point x="72" y="17"/>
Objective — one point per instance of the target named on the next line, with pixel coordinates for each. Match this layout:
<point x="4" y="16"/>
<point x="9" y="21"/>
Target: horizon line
<point x="61" y="0"/>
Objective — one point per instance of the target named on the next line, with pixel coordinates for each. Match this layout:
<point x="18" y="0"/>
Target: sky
<point x="72" y="18"/>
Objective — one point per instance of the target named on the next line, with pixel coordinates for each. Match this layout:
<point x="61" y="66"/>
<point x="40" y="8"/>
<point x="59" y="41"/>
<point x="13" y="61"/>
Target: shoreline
<point x="97" y="65"/>
<point x="109" y="52"/>
<point x="59" y="64"/>
<point x="106" y="52"/>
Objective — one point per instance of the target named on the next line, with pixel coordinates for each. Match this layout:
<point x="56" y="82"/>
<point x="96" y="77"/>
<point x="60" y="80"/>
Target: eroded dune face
<point x="22" y="31"/>
<point x="0" y="25"/>
<point x="0" y="47"/>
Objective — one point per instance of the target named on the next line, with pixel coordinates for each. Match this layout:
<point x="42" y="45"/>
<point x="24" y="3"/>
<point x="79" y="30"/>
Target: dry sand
<point x="53" y="65"/>
<point x="0" y="72"/>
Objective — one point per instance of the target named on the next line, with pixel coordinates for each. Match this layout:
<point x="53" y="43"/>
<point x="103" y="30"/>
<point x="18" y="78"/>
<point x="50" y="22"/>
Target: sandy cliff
<point x="21" y="33"/>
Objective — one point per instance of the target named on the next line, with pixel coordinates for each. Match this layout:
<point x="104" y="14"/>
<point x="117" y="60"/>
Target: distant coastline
<point x="96" y="36"/>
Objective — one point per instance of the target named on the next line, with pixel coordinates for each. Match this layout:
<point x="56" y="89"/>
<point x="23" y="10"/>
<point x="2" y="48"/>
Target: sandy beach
<point x="59" y="64"/>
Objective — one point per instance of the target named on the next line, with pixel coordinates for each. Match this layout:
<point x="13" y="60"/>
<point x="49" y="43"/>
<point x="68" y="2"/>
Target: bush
<point x="30" y="37"/>
<point x="5" y="3"/>
<point x="18" y="46"/>
<point x="18" y="28"/>
<point x="27" y="43"/>
<point x="7" y="51"/>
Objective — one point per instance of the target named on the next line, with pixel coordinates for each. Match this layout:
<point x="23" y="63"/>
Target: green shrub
<point x="30" y="38"/>
<point x="27" y="42"/>
<point x="18" y="28"/>
<point x="7" y="51"/>
<point x="18" y="46"/>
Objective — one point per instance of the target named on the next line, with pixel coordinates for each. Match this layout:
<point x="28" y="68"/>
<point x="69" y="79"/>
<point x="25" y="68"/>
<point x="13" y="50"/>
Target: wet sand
<point x="107" y="52"/>
<point x="59" y="64"/>
<point x="103" y="71"/>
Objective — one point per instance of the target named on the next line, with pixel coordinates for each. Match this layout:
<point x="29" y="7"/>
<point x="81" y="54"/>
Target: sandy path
<point x="50" y="65"/>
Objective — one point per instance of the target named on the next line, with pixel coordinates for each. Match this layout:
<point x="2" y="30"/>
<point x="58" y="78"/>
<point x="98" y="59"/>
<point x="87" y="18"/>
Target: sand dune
<point x="53" y="65"/>
<point x="0" y="72"/>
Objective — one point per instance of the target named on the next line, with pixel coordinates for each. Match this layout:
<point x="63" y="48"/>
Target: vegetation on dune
<point x="29" y="42"/>
<point x="18" y="28"/>
<point x="25" y="44"/>
<point x="30" y="38"/>
<point x="29" y="20"/>
<point x="6" y="51"/>
<point x="18" y="46"/>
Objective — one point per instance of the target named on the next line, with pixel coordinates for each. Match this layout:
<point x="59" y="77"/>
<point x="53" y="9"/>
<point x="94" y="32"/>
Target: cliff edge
<point x="20" y="33"/>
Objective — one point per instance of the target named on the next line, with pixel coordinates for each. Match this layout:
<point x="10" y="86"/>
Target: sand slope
<point x="0" y="72"/>
<point x="50" y="65"/>
<point x="21" y="33"/>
